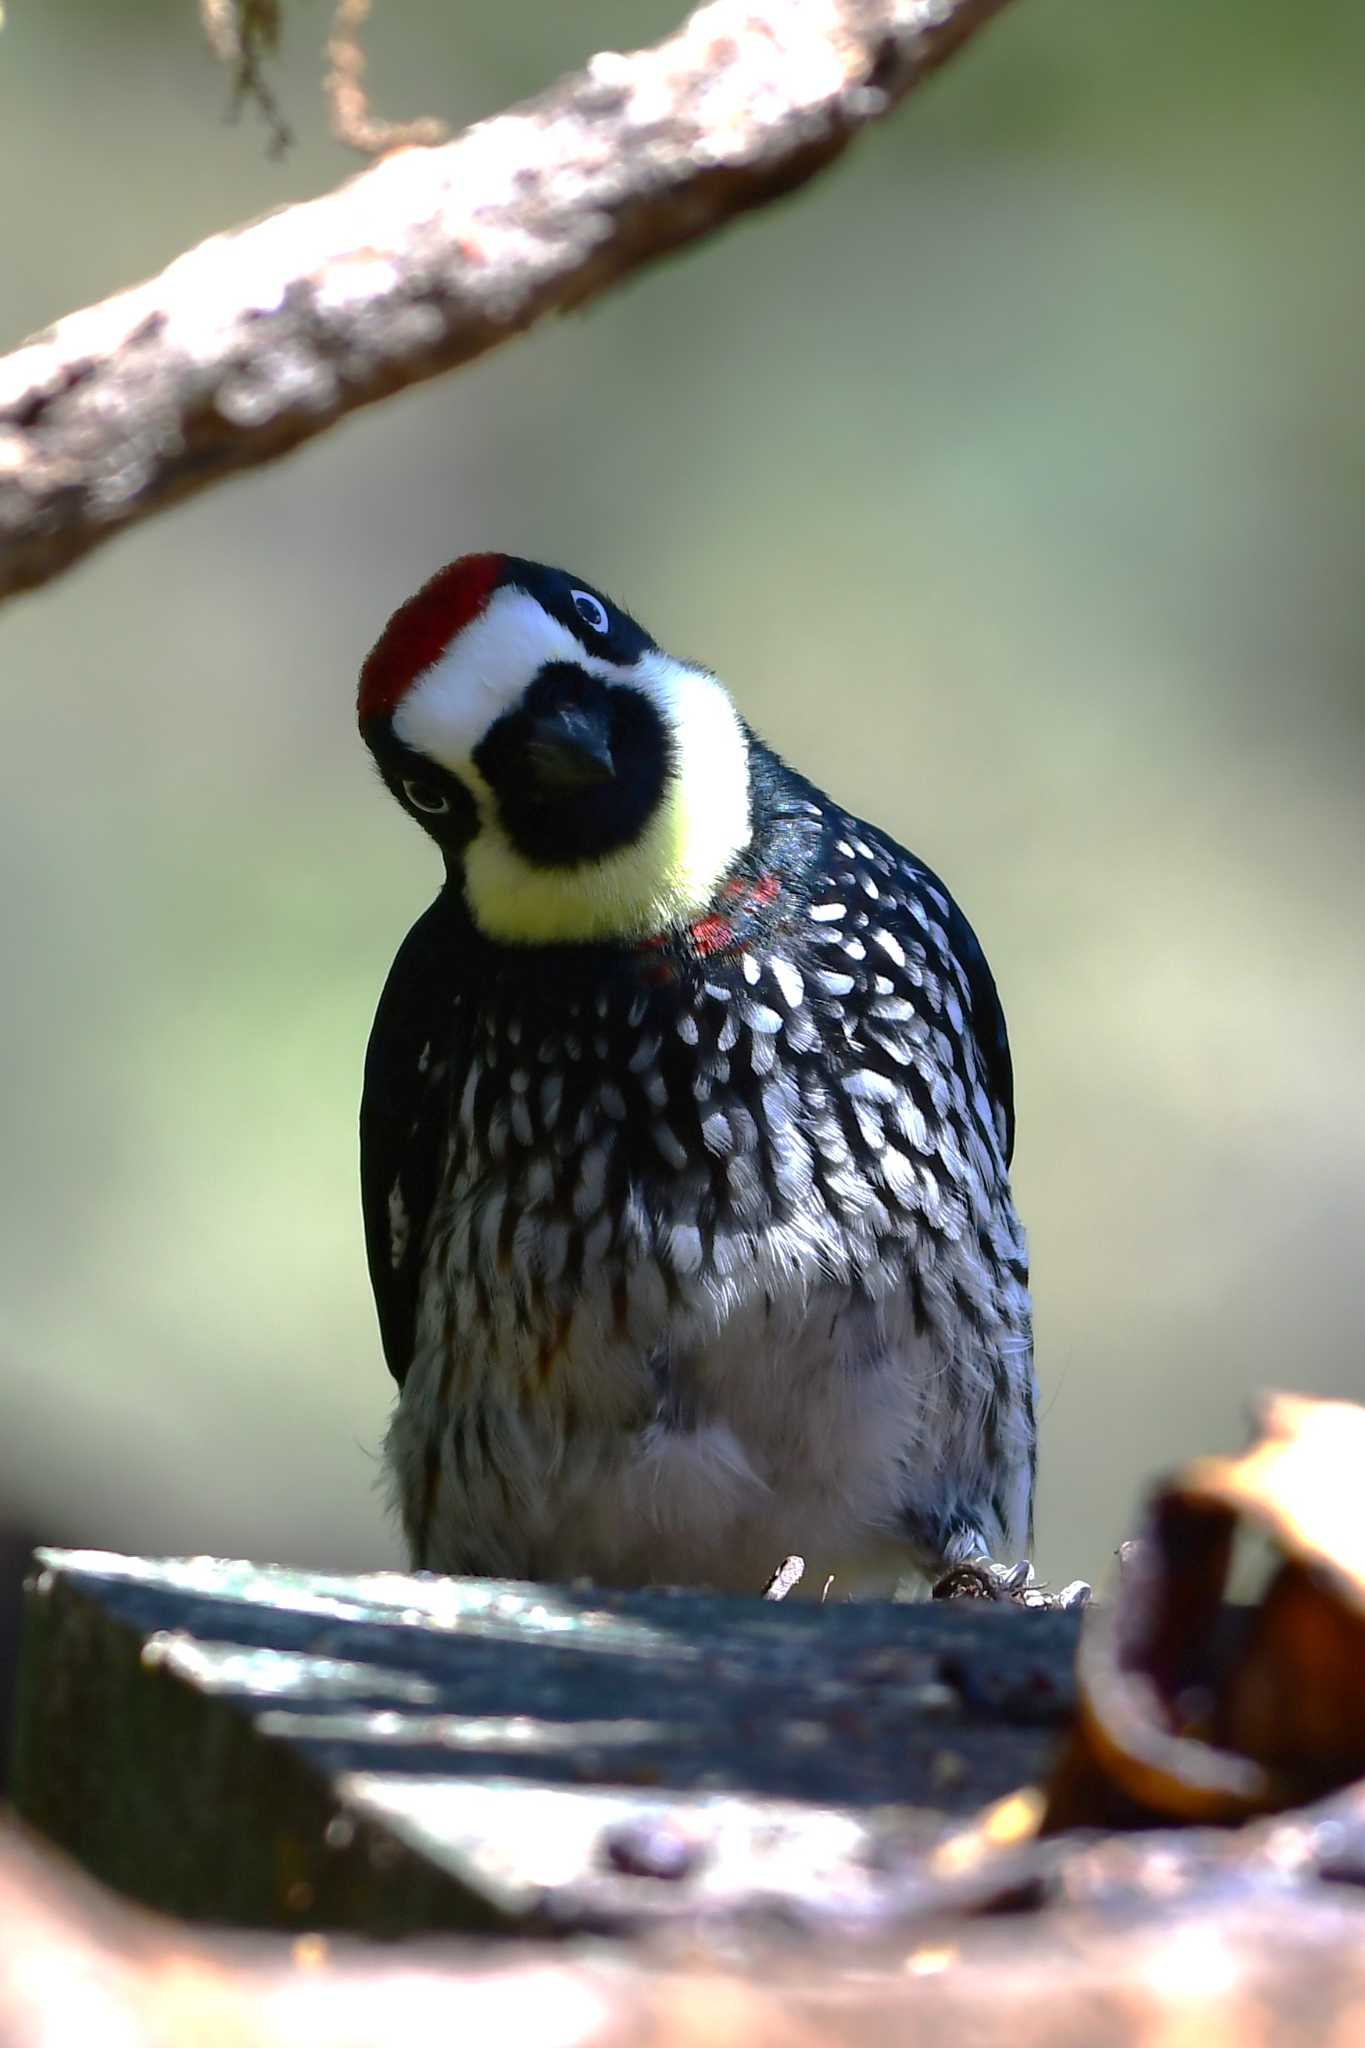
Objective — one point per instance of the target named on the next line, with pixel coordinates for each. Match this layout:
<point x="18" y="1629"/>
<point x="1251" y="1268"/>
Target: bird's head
<point x="582" y="784"/>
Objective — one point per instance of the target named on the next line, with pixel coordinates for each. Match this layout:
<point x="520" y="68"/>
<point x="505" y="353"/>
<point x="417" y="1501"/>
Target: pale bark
<point x="264" y="337"/>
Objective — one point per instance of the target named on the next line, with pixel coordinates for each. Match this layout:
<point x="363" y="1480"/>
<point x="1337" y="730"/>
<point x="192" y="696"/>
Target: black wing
<point x="988" y="1016"/>
<point x="988" y="1020"/>
<point x="405" y="1118"/>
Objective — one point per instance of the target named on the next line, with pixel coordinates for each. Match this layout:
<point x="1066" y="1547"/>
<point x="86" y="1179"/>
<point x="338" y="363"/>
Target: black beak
<point x="571" y="749"/>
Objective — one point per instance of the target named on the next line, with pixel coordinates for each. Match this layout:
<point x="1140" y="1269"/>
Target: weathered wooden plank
<point x="1240" y="1940"/>
<point x="1235" y="1941"/>
<point x="264" y="1747"/>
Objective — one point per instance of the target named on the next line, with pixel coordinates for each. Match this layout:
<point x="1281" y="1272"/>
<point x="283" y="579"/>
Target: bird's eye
<point x="588" y="608"/>
<point x="424" y="797"/>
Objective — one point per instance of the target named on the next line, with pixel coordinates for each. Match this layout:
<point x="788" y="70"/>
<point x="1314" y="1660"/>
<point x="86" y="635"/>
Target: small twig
<point x="241" y="33"/>
<point x="788" y="1574"/>
<point x="352" y="122"/>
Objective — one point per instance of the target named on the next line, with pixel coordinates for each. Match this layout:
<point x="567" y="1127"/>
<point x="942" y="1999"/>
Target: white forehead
<point x="483" y="673"/>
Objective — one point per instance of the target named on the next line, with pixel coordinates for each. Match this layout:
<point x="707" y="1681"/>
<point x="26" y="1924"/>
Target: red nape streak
<point x="421" y="630"/>
<point x="755" y="895"/>
<point x="715" y="932"/>
<point x="711" y="935"/>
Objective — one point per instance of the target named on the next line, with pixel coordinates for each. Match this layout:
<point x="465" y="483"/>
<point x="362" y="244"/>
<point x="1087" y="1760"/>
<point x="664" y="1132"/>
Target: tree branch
<point x="263" y="337"/>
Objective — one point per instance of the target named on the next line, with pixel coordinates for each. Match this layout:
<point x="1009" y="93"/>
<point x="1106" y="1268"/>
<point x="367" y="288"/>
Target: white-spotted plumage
<point x="699" y="1140"/>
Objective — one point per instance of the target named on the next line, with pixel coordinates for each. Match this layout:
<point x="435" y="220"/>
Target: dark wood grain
<point x="266" y="1747"/>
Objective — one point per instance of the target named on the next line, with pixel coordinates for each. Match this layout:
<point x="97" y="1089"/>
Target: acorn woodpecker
<point x="685" y="1136"/>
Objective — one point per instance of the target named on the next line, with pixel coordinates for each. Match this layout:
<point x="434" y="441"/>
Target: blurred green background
<point x="1013" y="477"/>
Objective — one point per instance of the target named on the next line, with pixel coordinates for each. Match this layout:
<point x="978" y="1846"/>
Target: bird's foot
<point x="981" y="1578"/>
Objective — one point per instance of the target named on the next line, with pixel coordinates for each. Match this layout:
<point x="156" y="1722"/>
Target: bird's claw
<point x="981" y="1578"/>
